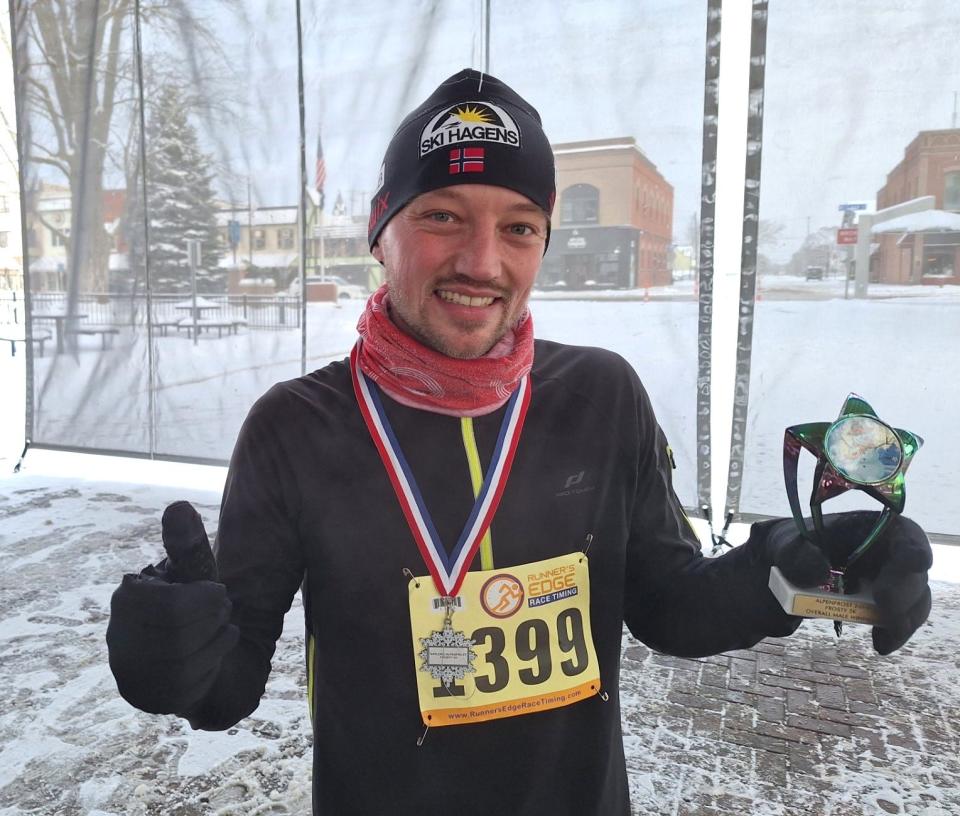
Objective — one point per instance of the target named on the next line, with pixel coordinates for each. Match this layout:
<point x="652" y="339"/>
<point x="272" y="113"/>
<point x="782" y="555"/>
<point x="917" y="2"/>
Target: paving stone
<point x="770" y="709"/>
<point x="713" y="676"/>
<point x="831" y="695"/>
<point x="778" y="681"/>
<point x="837" y="716"/>
<point x="695" y="701"/>
<point x="818" y="726"/>
<point x="800" y="702"/>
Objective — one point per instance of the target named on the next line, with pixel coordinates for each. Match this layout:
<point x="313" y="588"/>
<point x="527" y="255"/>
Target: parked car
<point x="345" y="289"/>
<point x="814" y="273"/>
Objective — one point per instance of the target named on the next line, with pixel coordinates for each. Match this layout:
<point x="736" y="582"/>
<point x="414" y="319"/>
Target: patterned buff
<point x="417" y="376"/>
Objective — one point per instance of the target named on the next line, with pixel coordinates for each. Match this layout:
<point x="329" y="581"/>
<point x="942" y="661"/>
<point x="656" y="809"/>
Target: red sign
<point x="847" y="236"/>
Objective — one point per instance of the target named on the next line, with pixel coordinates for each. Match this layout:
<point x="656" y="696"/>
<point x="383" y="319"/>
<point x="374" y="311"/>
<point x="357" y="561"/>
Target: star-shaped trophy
<point x="858" y="451"/>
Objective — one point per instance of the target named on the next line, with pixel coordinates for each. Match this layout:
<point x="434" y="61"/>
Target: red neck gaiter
<point x="417" y="376"/>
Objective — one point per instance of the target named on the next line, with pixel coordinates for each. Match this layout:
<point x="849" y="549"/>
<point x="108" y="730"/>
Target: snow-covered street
<point x="811" y="347"/>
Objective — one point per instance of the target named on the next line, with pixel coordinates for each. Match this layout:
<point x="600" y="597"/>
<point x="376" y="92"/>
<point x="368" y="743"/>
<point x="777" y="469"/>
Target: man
<point x="363" y="483"/>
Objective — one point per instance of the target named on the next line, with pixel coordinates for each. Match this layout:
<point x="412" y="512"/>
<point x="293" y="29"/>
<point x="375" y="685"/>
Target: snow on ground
<point x="70" y="746"/>
<point x="772" y="742"/>
<point x="810" y="348"/>
<point x="900" y="354"/>
<point x="100" y="398"/>
<point x="68" y="743"/>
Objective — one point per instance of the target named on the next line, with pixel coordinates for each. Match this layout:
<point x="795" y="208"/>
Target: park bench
<point x="163" y="325"/>
<point x="15" y="334"/>
<point x="91" y="329"/>
<point x="228" y="325"/>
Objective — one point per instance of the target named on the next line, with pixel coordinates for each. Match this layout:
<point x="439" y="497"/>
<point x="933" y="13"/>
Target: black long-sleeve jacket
<point x="308" y="502"/>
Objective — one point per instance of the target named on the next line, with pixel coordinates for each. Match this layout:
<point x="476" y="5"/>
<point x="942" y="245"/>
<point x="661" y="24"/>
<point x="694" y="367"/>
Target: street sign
<point x="233" y="232"/>
<point x="859" y="205"/>
<point x="847" y="236"/>
<point x="193" y="252"/>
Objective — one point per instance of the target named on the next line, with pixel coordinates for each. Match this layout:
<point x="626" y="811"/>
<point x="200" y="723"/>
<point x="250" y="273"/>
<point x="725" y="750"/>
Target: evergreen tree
<point x="180" y="201"/>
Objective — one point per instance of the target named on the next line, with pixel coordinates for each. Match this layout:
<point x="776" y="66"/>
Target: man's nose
<point x="480" y="255"/>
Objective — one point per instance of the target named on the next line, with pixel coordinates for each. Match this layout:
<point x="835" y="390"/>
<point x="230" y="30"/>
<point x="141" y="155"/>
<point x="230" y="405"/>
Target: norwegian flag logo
<point x="466" y="160"/>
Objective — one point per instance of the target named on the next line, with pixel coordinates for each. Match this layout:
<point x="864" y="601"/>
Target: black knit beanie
<point x="473" y="129"/>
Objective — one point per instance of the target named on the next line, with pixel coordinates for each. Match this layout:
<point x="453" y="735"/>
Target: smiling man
<point x="472" y="516"/>
<point x="460" y="263"/>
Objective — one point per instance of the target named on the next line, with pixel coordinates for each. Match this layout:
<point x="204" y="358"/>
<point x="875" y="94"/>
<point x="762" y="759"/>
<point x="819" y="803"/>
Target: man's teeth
<point x="464" y="300"/>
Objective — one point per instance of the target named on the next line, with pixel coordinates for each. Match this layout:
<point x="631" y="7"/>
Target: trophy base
<point x="814" y="602"/>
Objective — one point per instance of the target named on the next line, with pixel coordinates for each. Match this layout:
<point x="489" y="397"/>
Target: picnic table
<point x="60" y="320"/>
<point x="196" y="307"/>
<point x="15" y="334"/>
<point x="197" y="310"/>
<point x="228" y="325"/>
<point x="106" y="333"/>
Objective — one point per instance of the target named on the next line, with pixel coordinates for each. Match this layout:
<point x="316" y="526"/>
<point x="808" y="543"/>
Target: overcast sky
<point x="848" y="86"/>
<point x="849" y="83"/>
<point x="594" y="70"/>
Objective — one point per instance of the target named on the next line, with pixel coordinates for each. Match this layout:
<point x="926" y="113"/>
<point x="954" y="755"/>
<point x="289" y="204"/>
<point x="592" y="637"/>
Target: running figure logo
<point x="501" y="595"/>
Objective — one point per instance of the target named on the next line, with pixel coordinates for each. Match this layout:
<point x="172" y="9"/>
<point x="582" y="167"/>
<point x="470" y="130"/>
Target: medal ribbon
<point x="447" y="571"/>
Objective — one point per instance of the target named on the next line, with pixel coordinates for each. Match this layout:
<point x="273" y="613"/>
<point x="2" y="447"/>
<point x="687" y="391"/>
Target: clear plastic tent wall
<point x="855" y="111"/>
<point x="173" y="157"/>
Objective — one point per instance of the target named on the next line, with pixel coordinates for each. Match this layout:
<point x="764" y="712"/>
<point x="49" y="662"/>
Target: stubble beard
<point x="420" y="330"/>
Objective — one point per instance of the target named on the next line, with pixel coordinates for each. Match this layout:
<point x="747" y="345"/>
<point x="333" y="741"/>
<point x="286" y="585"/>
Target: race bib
<point x="513" y="641"/>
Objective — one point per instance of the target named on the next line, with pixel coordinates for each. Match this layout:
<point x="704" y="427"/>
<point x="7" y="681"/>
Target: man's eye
<point x="522" y="229"/>
<point x="442" y="217"/>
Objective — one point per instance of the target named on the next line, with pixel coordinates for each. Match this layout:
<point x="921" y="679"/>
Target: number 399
<point x="531" y="646"/>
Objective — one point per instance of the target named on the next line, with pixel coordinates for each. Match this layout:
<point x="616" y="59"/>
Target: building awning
<point x="925" y="221"/>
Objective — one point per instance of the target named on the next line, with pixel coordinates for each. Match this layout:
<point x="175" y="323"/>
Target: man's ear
<point x="377" y="252"/>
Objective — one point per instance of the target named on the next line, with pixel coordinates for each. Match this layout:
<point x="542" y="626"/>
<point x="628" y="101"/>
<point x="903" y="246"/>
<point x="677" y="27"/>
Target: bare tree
<point x="77" y="77"/>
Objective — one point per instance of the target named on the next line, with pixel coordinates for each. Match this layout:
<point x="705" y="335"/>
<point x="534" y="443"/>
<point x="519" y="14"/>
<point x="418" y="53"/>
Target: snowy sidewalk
<point x="806" y="725"/>
<point x="802" y="725"/>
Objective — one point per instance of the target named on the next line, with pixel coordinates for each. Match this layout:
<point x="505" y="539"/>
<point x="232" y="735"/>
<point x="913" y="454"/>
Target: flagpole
<point x="302" y="198"/>
<point x="323" y="269"/>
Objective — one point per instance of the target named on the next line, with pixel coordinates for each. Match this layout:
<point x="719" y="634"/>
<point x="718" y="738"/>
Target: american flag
<point x="320" y="176"/>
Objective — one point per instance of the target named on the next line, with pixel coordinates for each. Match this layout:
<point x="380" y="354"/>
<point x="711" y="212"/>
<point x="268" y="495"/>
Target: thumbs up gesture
<point x="170" y="624"/>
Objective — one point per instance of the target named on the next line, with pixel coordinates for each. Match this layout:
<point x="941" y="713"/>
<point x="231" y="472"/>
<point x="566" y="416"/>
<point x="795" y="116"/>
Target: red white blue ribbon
<point x="447" y="571"/>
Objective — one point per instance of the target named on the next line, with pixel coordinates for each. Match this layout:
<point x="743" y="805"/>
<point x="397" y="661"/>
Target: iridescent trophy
<point x="856" y="452"/>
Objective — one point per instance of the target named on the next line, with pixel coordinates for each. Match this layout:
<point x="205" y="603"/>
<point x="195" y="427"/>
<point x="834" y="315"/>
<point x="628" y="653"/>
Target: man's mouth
<point x="464" y="300"/>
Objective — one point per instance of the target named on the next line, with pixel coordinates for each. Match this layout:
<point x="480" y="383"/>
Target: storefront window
<point x="939" y="264"/>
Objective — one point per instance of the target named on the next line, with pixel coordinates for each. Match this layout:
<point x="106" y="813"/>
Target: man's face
<point x="459" y="265"/>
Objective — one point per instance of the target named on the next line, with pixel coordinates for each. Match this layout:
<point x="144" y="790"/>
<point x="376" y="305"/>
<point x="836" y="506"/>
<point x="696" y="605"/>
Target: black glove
<point x="896" y="565"/>
<point x="170" y="625"/>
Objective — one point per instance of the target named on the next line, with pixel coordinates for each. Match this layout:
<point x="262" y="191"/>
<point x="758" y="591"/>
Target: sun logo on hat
<point x="469" y="113"/>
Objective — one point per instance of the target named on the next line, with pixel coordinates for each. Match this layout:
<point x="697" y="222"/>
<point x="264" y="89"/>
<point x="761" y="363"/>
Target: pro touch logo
<point x="501" y="595"/>
<point x="574" y="484"/>
<point x="469" y="122"/>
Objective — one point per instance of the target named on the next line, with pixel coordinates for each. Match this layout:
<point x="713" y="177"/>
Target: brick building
<point x="613" y="221"/>
<point x="930" y="167"/>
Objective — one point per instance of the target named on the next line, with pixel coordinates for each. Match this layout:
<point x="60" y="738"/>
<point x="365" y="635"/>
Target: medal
<point x="446" y="654"/>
